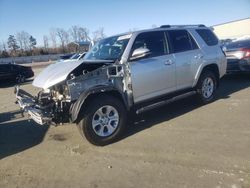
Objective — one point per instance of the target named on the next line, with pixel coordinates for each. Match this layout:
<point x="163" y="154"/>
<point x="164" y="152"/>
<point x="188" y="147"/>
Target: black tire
<point x="85" y="125"/>
<point x="20" y="78"/>
<point x="206" y="75"/>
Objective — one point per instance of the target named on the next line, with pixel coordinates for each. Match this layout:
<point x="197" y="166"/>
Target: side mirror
<point x="139" y="53"/>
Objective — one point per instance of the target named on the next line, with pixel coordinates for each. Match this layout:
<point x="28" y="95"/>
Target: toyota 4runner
<point x="136" y="71"/>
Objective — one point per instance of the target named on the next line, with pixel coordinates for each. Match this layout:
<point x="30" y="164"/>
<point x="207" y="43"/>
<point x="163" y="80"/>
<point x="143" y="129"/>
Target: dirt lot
<point x="180" y="145"/>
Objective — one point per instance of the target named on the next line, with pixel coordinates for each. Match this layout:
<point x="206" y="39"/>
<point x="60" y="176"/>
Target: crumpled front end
<point x="62" y="102"/>
<point x="29" y="105"/>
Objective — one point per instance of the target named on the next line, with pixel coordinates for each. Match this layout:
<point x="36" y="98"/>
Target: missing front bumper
<point x="29" y="105"/>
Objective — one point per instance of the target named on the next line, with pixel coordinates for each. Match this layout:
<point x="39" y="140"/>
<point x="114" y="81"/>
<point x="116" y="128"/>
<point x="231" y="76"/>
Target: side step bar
<point x="161" y="103"/>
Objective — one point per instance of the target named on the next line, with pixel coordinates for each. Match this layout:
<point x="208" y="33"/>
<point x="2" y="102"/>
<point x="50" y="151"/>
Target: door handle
<point x="168" y="62"/>
<point x="199" y="56"/>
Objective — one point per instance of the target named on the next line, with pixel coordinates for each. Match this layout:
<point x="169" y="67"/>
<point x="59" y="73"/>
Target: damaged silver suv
<point x="136" y="71"/>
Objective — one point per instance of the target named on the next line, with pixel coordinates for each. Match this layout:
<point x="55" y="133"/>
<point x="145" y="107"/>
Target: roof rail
<point x="172" y="26"/>
<point x="165" y="26"/>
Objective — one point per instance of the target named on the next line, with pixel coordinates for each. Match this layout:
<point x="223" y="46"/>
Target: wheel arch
<point x="77" y="107"/>
<point x="210" y="67"/>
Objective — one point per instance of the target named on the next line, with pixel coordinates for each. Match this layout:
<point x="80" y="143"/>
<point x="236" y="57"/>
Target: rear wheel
<point x="104" y="120"/>
<point x="207" y="86"/>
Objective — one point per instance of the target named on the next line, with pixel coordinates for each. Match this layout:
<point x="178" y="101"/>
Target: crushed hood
<point x="58" y="72"/>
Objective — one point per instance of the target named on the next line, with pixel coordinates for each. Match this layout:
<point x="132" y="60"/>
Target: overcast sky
<point x="116" y="16"/>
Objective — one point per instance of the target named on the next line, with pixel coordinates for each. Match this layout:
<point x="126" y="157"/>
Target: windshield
<point x="109" y="49"/>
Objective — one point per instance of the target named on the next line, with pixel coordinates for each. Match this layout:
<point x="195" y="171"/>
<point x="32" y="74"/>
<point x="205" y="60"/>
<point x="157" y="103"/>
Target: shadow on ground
<point x="228" y="85"/>
<point x="18" y="136"/>
<point x="7" y="116"/>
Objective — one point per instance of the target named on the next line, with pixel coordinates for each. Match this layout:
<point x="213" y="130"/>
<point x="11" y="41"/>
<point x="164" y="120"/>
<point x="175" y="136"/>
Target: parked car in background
<point x="66" y="56"/>
<point x="225" y="42"/>
<point x="14" y="72"/>
<point x="77" y="56"/>
<point x="238" y="56"/>
<point x="73" y="57"/>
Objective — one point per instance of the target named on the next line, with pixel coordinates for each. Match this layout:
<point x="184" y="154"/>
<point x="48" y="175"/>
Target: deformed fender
<point x="76" y="107"/>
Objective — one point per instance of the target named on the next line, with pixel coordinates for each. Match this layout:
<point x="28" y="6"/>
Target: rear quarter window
<point x="208" y="36"/>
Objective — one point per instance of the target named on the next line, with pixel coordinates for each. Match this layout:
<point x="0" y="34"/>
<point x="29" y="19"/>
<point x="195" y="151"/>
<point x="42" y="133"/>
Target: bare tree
<point x="53" y="37"/>
<point x="79" y="33"/>
<point x="60" y="34"/>
<point x="4" y="46"/>
<point x="46" y="41"/>
<point x="23" y="40"/>
<point x="74" y="32"/>
<point x="98" y="34"/>
<point x="3" y="50"/>
<point x="66" y="37"/>
<point x="83" y="34"/>
<point x="26" y="37"/>
<point x="19" y="39"/>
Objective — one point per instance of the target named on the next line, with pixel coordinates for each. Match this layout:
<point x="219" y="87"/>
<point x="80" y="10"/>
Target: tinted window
<point x="208" y="36"/>
<point x="181" y="41"/>
<point x="154" y="41"/>
<point x="239" y="44"/>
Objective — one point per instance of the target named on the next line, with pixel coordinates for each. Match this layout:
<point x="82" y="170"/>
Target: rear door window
<point x="208" y="36"/>
<point x="181" y="40"/>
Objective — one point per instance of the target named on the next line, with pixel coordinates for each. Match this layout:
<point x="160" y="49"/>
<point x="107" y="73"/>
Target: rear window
<point x="208" y="36"/>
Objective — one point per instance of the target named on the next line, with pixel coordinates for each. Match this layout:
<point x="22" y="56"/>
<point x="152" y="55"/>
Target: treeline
<point x="56" y="41"/>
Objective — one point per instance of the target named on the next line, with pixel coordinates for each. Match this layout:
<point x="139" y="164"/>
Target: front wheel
<point x="104" y="120"/>
<point x="206" y="87"/>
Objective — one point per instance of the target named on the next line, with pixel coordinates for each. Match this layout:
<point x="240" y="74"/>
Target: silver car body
<point x="135" y="80"/>
<point x="152" y="77"/>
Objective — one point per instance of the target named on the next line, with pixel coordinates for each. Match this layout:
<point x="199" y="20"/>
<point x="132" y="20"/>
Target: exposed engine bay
<point x="62" y="102"/>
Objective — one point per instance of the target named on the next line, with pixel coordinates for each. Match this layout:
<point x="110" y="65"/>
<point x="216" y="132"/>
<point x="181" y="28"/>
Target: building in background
<point x="82" y="46"/>
<point x="238" y="29"/>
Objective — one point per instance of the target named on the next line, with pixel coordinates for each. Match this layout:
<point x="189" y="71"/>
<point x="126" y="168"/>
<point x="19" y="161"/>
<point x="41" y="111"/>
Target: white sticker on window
<point x="124" y="37"/>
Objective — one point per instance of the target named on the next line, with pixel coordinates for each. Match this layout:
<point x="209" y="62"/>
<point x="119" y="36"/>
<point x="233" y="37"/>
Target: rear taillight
<point x="246" y="53"/>
<point x="240" y="53"/>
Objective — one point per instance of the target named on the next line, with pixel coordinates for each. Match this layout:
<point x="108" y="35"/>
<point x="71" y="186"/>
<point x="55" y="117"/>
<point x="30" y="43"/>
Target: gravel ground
<point x="179" y="145"/>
